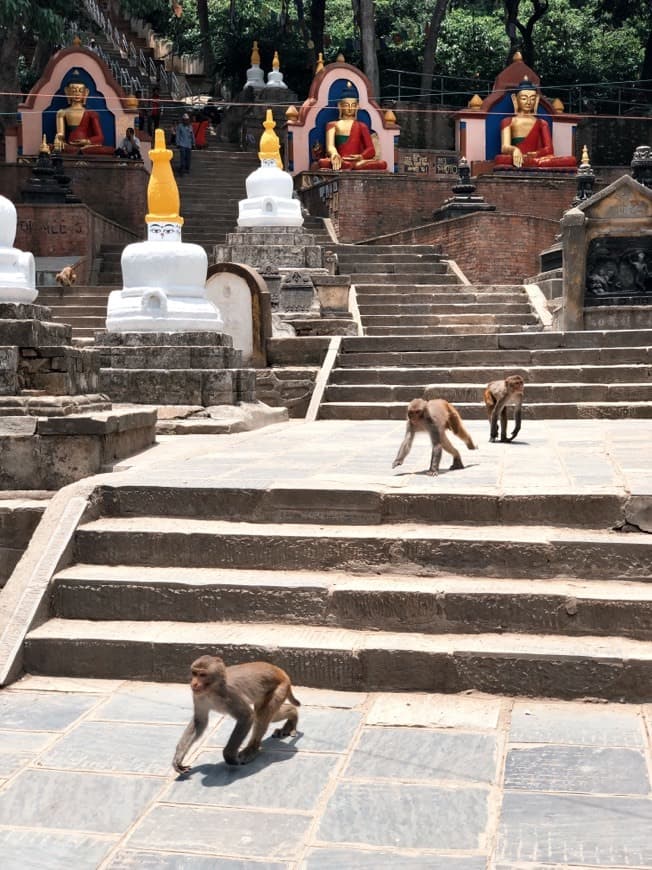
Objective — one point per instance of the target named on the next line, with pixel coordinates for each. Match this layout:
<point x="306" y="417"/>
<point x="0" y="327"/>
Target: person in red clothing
<point x="200" y="129"/>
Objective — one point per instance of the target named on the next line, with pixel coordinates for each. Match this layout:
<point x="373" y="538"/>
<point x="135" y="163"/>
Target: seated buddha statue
<point x="78" y="128"/>
<point x="525" y="140"/>
<point x="348" y="141"/>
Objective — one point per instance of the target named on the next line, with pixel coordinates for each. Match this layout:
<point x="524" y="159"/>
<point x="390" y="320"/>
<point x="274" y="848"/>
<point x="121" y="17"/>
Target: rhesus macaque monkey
<point x="253" y="694"/>
<point x="434" y="417"/>
<point x="497" y="396"/>
<point x="66" y="277"/>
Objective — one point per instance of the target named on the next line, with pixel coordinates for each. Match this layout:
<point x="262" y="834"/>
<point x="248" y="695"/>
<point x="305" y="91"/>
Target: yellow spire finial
<point x="585" y="157"/>
<point x="276" y="63"/>
<point x="517" y="56"/>
<point x="270" y="147"/>
<point x="255" y="54"/>
<point x="320" y="63"/>
<point x="340" y="58"/>
<point x="162" y="191"/>
<point x="44" y="149"/>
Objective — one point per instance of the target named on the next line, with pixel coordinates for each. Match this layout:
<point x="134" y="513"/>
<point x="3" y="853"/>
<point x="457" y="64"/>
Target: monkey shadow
<point x="222" y="774"/>
<point x="440" y="473"/>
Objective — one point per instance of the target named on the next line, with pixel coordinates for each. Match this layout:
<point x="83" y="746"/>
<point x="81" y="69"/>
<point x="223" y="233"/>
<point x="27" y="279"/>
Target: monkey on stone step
<point x="66" y="277"/>
<point x="434" y="417"/>
<point x="497" y="396"/>
<point x="254" y="694"/>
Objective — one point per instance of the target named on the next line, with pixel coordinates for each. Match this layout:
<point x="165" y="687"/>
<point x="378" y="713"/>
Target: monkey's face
<point x="205" y="672"/>
<point x="415" y="412"/>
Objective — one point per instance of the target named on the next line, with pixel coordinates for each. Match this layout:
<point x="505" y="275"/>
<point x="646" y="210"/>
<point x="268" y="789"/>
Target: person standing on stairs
<point x="185" y="143"/>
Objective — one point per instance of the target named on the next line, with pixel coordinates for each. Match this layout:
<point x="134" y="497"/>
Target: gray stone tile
<point x="18" y="748"/>
<point x="583" y="769"/>
<point x="212" y="830"/>
<point x="148" y="703"/>
<point x="584" y="724"/>
<point x="37" y="850"/>
<point x="42" y="711"/>
<point x="416" y="753"/>
<point x="320" y="730"/>
<point x="575" y="829"/>
<point x="402" y="816"/>
<point x="127" y="859"/>
<point x="275" y="780"/>
<point x="349" y="859"/>
<point x="76" y="801"/>
<point x="116" y="746"/>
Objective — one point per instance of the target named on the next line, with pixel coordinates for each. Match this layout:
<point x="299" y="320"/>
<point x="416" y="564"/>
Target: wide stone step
<point x="483" y="374"/>
<point x="389" y="249"/>
<point x="435" y="307"/>
<point x="68" y="312"/>
<point x="448" y="329"/>
<point x="362" y="256"/>
<point x="376" y="602"/>
<point x="463" y="314"/>
<point x="476" y="411"/>
<point x="542" y="393"/>
<point x="640" y="338"/>
<point x="529" y="551"/>
<point x="349" y="660"/>
<point x="372" y="267"/>
<point x="505" y="359"/>
<point x="438" y="296"/>
<point x="94" y="321"/>
<point x="412" y="279"/>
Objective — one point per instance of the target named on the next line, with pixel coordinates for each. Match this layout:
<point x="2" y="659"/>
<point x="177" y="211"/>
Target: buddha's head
<point x="348" y="102"/>
<point x="525" y="98"/>
<point x="76" y="93"/>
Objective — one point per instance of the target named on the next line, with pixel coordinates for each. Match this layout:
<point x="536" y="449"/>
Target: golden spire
<point x="162" y="190"/>
<point x="340" y="58"/>
<point x="276" y="63"/>
<point x="270" y="147"/>
<point x="320" y="63"/>
<point x="255" y="54"/>
<point x="291" y="113"/>
<point x="475" y="103"/>
<point x="517" y="56"/>
<point x="44" y="149"/>
<point x="557" y="106"/>
<point x="585" y="157"/>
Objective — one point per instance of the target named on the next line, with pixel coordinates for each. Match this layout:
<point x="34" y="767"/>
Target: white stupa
<point x="269" y="201"/>
<point x="17" y="268"/>
<point x="275" y="77"/>
<point x="255" y="75"/>
<point x="163" y="278"/>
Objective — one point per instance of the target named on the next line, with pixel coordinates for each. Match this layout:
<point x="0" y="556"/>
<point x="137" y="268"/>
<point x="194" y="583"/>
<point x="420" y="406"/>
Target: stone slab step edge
<point x="504" y="341"/>
<point x="531" y="411"/>
<point x="365" y="602"/>
<point x="481" y="375"/>
<point x="530" y="665"/>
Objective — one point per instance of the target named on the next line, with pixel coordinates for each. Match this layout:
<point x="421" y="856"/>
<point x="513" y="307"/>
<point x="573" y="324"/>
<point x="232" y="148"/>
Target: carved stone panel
<point x="619" y="271"/>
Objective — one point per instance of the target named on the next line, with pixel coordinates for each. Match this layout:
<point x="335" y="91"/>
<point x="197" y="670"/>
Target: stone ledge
<point x="24" y="311"/>
<point x="103" y="423"/>
<point x="162" y="339"/>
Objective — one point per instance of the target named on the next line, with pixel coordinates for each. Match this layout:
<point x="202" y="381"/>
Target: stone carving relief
<point x="619" y="271"/>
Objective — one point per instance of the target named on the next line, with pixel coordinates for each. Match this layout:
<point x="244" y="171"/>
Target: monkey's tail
<point x="454" y="421"/>
<point x="489" y="401"/>
<point x="292" y="699"/>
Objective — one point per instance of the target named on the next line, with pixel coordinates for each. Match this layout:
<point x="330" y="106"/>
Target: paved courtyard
<point x="445" y="782"/>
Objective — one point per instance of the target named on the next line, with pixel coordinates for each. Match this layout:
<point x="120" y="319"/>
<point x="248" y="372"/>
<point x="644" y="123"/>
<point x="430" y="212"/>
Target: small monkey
<point x="253" y="694"/>
<point x="497" y="396"/>
<point x="435" y="417"/>
<point x="66" y="277"/>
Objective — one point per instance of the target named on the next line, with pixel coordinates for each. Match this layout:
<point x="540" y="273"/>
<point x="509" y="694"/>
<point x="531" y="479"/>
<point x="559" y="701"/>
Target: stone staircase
<point x="424" y="328"/>
<point x="355" y="590"/>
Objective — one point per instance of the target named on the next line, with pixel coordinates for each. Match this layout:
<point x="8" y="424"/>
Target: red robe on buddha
<point x="358" y="142"/>
<point x="88" y="128"/>
<point x="536" y="147"/>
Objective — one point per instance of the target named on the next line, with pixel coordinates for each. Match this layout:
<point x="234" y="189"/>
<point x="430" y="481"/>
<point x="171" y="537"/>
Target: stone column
<point x="573" y="234"/>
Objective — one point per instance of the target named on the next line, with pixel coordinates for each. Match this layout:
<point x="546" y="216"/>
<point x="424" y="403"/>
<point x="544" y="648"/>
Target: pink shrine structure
<point x="306" y="128"/>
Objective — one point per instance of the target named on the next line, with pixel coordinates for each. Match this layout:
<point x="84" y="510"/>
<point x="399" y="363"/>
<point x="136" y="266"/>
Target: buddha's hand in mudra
<point x="336" y="160"/>
<point x="517" y="157"/>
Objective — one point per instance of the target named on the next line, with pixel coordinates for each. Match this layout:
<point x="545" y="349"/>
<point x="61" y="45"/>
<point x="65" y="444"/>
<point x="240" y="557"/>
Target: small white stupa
<point x="255" y="75"/>
<point x="275" y="77"/>
<point x="269" y="201"/>
<point x="17" y="268"/>
<point x="163" y="278"/>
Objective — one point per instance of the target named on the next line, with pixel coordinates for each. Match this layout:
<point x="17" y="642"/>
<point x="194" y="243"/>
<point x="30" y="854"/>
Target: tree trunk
<point x="646" y="68"/>
<point x="430" y="49"/>
<point x="204" y="31"/>
<point x="525" y="31"/>
<point x="368" y="39"/>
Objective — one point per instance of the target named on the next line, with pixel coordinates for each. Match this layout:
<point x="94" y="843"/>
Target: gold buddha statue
<point x="348" y="141"/>
<point x="79" y="129"/>
<point x="525" y="140"/>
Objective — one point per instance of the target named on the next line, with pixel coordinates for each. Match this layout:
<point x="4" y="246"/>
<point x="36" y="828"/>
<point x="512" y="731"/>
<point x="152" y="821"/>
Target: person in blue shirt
<point x="185" y="139"/>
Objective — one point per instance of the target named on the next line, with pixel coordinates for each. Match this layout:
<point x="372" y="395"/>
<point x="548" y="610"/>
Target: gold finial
<point x="557" y="106"/>
<point x="162" y="190"/>
<point x="585" y="157"/>
<point x="44" y="149"/>
<point x="320" y="63"/>
<point x="131" y="102"/>
<point x="475" y="102"/>
<point x="255" y="54"/>
<point x="270" y="147"/>
<point x="340" y="58"/>
<point x="517" y="56"/>
<point x="390" y="117"/>
<point x="276" y="63"/>
<point x="291" y="113"/>
<point x="76" y="41"/>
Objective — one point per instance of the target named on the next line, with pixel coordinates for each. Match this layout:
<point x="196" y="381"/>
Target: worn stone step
<point x="466" y="315"/>
<point x="435" y="307"/>
<point x="505" y="341"/>
<point x="481" y="375"/>
<point x="373" y="267"/>
<point x="505" y="359"/>
<point x="168" y="357"/>
<point x="477" y="551"/>
<point x="458" y="295"/>
<point x="66" y="310"/>
<point x="412" y="279"/>
<point x="413" y="250"/>
<point x="349" y="660"/>
<point x="376" y="602"/>
<point x="476" y="411"/>
<point x="546" y="393"/>
<point x="448" y="329"/>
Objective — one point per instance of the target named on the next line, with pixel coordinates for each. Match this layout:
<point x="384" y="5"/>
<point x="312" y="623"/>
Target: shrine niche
<point x="310" y="130"/>
<point x="77" y="105"/>
<point x="480" y="129"/>
<point x="607" y="254"/>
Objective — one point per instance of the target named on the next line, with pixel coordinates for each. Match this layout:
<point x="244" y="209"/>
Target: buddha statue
<point x="525" y="140"/>
<point x="348" y="141"/>
<point x="78" y="128"/>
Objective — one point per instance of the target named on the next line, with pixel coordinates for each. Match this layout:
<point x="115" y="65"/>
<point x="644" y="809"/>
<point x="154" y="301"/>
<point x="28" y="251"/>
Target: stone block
<point x="162" y="339"/>
<point x="33" y="333"/>
<point x="23" y="311"/>
<point x="217" y="387"/>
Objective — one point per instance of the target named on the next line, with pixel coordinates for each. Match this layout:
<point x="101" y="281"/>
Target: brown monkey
<point x="253" y="694"/>
<point x="434" y="417"/>
<point x="497" y="396"/>
<point x="66" y="277"/>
